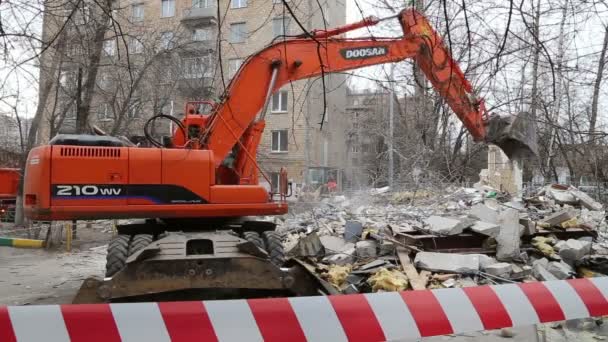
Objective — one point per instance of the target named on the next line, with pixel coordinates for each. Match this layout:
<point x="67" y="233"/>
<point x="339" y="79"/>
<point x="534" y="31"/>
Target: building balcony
<point x="196" y="16"/>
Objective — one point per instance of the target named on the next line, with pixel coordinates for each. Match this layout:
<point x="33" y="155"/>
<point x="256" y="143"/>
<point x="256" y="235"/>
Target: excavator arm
<point x="267" y="71"/>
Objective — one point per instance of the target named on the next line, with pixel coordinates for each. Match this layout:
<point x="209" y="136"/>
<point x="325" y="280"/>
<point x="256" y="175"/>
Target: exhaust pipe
<point x="515" y="135"/>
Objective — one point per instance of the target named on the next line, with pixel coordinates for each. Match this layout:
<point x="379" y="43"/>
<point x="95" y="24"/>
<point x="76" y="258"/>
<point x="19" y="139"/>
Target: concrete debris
<point x="386" y="240"/>
<point x="308" y="246"/>
<point x="501" y="269"/>
<point x="333" y="244"/>
<point x="573" y="250"/>
<point x="449" y="283"/>
<point x="585" y="200"/>
<point x="561" y="216"/>
<point x="508" y="238"/>
<point x="447" y="262"/>
<point x="366" y="249"/>
<point x="485" y="213"/>
<point x="447" y="225"/>
<point x="486" y="228"/>
<point x="388" y="280"/>
<point x="560" y="270"/>
<point x="541" y="273"/>
<point x="520" y="272"/>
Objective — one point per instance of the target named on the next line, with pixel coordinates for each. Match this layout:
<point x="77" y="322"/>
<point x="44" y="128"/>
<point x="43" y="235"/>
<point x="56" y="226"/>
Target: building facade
<point x="155" y="55"/>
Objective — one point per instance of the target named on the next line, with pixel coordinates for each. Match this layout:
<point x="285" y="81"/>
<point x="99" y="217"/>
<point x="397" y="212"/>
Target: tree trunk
<point x="536" y="31"/>
<point x="554" y="119"/>
<point x="596" y="86"/>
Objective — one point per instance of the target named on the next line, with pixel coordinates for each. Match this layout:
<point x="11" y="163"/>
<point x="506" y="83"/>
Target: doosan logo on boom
<point x="364" y="52"/>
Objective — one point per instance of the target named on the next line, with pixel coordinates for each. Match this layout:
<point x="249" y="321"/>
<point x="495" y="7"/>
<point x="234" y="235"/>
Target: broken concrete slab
<point x="561" y="216"/>
<point x="485" y="261"/>
<point x="486" y="228"/>
<point x="539" y="272"/>
<point x="508" y="238"/>
<point x="343" y="258"/>
<point x="574" y="250"/>
<point x="519" y="272"/>
<point x="447" y="225"/>
<point x="352" y="231"/>
<point x="366" y="249"/>
<point x="308" y="246"/>
<point x="333" y="243"/>
<point x="501" y="269"/>
<point x="585" y="200"/>
<point x="447" y="262"/>
<point x="560" y="270"/>
<point x="561" y="195"/>
<point x="485" y="212"/>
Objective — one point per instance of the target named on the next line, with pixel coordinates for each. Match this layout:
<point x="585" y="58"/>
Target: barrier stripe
<point x="233" y="320"/>
<point x="492" y="313"/>
<point x="318" y="319"/>
<point x="276" y="320"/>
<point x="591" y="296"/>
<point x="186" y="321"/>
<point x="89" y="322"/>
<point x="516" y="304"/>
<point x="357" y="318"/>
<point x="393" y="315"/>
<point x="140" y="322"/>
<point x="6" y="328"/>
<point x="406" y="315"/>
<point x="427" y="312"/>
<point x="572" y="306"/>
<point x="544" y="303"/>
<point x="43" y="324"/>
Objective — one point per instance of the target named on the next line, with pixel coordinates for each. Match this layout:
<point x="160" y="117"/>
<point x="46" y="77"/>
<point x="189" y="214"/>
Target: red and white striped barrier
<point x="360" y="317"/>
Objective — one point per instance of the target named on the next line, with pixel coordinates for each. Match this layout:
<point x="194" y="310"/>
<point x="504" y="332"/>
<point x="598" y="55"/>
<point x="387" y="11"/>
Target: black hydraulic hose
<point x="164" y="116"/>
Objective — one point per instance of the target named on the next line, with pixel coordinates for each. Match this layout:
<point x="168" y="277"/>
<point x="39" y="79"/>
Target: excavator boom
<point x="295" y="59"/>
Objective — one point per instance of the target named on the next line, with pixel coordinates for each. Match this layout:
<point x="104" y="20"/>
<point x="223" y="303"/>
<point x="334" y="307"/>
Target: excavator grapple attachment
<point x="514" y="134"/>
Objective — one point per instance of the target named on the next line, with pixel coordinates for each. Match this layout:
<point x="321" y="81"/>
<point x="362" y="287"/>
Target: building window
<point x="280" y="26"/>
<point x="238" y="3"/>
<point x="167" y="8"/>
<point x="279" y="102"/>
<point x="203" y="3"/>
<point x="233" y="66"/>
<point x="137" y="12"/>
<point x="135" y="45"/>
<point x="104" y="80"/>
<point x="275" y="180"/>
<point x="104" y="112"/>
<point x="238" y="32"/>
<point x="354" y="148"/>
<point x="166" y="40"/>
<point x="279" y="141"/>
<point x="134" y="107"/>
<point x="68" y="80"/>
<point x="197" y="67"/>
<point x="201" y="34"/>
<point x="109" y="47"/>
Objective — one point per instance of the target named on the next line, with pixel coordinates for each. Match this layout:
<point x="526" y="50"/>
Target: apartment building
<point x="158" y="54"/>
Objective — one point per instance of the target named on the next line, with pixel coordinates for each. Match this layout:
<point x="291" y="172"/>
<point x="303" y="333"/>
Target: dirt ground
<point x="40" y="276"/>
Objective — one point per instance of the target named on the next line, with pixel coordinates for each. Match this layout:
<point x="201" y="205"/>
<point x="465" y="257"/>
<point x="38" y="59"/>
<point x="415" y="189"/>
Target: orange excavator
<point x="195" y="190"/>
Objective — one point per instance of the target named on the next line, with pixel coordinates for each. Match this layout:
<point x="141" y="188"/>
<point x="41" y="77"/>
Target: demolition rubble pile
<point x="381" y="240"/>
